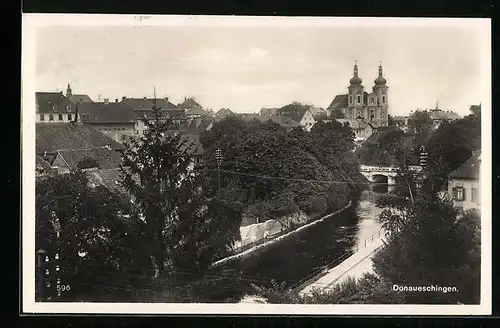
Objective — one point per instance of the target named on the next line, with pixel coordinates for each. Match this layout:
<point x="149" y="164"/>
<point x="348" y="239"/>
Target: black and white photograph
<point x="256" y="165"/>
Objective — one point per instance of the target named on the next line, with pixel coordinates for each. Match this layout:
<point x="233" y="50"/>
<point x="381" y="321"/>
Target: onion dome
<point x="380" y="79"/>
<point x="355" y="80"/>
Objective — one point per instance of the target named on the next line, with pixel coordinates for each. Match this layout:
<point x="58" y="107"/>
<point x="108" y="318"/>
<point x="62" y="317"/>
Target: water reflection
<point x="324" y="245"/>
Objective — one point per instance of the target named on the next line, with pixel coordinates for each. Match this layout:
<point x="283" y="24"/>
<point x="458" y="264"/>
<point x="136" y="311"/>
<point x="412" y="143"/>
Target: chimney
<point x="144" y="98"/>
<point x="116" y="100"/>
<point x="106" y="100"/>
<point x="123" y="98"/>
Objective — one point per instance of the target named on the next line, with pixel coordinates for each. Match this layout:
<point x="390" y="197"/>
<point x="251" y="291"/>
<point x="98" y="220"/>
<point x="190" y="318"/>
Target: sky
<point x="246" y="68"/>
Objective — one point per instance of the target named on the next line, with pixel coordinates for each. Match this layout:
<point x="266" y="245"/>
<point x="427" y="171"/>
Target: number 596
<point x="63" y="288"/>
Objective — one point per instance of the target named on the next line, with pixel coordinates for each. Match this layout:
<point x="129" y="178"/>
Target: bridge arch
<point x="380" y="178"/>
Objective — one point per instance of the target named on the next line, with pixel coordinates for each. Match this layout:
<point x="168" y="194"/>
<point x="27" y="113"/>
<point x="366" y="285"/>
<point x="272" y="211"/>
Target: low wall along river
<point x="296" y="255"/>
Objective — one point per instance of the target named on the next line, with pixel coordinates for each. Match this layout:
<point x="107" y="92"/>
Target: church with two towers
<point x="371" y="107"/>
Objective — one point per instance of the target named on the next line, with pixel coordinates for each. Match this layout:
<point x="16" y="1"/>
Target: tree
<point x="93" y="231"/>
<point x="430" y="243"/>
<point x="420" y="121"/>
<point x="186" y="231"/>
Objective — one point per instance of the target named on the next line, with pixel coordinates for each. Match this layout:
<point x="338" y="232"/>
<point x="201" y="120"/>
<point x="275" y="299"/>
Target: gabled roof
<point x="315" y="111"/>
<point x="469" y="169"/>
<point x="147" y="103"/>
<point x="106" y="158"/>
<point x="224" y="112"/>
<point x="189" y="103"/>
<point x="53" y="102"/>
<point x="109" y="178"/>
<point x="438" y="114"/>
<point x="80" y="99"/>
<point x="340" y="101"/>
<point x="195" y="111"/>
<point x="52" y="137"/>
<point x="295" y="114"/>
<point x="99" y="112"/>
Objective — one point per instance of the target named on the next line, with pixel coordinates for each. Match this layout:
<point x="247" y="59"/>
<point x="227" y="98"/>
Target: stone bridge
<point x="384" y="174"/>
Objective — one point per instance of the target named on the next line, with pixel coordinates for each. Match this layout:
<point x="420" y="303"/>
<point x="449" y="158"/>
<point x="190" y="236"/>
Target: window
<point x="359" y="99"/>
<point x="474" y="195"/>
<point x="60" y="117"/>
<point x="42" y="117"/>
<point x="51" y="117"/>
<point x="350" y="99"/>
<point x="371" y="100"/>
<point x="69" y="117"/>
<point x="459" y="193"/>
<point x="383" y="99"/>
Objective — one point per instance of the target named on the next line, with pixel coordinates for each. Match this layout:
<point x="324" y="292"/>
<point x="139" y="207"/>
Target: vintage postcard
<point x="256" y="165"/>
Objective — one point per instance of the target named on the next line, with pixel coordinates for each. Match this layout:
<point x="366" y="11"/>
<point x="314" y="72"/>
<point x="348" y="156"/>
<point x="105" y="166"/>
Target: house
<point x="178" y="117"/>
<point x="464" y="183"/>
<point x="43" y="168"/>
<point x="100" y="158"/>
<point x="362" y="129"/>
<point x="51" y="138"/>
<point x="54" y="107"/>
<point x="191" y="142"/>
<point x="439" y="116"/>
<point x="318" y="112"/>
<point x="77" y="98"/>
<point x="223" y="113"/>
<point x="111" y="118"/>
<point x="299" y="114"/>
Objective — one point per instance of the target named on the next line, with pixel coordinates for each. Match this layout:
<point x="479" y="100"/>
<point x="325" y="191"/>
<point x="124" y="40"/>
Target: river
<point x="325" y="244"/>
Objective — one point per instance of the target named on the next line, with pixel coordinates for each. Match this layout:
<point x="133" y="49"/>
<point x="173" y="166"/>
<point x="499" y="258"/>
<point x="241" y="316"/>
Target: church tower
<point x="381" y="117"/>
<point x="355" y="97"/>
<point x="68" y="91"/>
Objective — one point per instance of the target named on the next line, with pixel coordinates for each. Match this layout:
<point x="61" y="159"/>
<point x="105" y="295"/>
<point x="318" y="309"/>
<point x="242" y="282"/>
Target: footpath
<point x="354" y="266"/>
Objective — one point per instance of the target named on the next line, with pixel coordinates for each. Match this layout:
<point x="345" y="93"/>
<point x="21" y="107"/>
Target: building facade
<point x="464" y="184"/>
<point x="54" y="107"/>
<point x="358" y="104"/>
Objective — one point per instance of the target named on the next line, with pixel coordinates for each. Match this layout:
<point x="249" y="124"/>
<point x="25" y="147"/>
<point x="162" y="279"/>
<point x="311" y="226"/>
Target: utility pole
<point x="218" y="157"/>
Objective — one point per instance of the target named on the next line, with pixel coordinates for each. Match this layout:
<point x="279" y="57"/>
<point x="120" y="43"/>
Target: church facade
<point x="358" y="104"/>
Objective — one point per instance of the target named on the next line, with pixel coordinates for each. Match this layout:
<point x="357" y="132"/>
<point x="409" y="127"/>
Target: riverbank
<point x="277" y="238"/>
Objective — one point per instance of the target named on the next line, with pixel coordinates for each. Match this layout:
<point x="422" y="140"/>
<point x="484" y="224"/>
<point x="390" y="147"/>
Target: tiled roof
<point x="172" y="113"/>
<point x="469" y="169"/>
<point x="295" y="113"/>
<point x="224" y="112"/>
<point x="80" y="99"/>
<point x="110" y="178"/>
<point x="53" y="102"/>
<point x="99" y="112"/>
<point x="52" y="137"/>
<point x="321" y="116"/>
<point x="196" y="111"/>
<point x="315" y="111"/>
<point x="106" y="158"/>
<point x="189" y="103"/>
<point x="147" y="103"/>
<point x="438" y="114"/>
<point x="340" y="101"/>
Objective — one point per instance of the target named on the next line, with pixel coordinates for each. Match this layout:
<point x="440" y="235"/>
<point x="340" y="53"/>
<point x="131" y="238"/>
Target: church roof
<point x="340" y="101"/>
